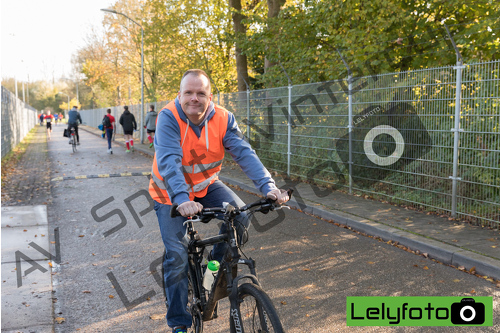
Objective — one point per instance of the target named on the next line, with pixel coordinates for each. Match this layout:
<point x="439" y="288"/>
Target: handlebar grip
<point x="173" y="211"/>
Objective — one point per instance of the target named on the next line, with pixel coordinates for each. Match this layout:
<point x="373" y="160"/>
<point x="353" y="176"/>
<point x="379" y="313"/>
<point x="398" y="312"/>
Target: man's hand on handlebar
<point x="280" y="196"/>
<point x="189" y="208"/>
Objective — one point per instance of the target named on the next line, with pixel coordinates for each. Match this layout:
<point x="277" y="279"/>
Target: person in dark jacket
<point x="73" y="118"/>
<point x="150" y="124"/>
<point x="127" y="120"/>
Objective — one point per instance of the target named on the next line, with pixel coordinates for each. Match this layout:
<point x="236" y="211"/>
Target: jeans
<point x="109" y="135"/>
<point x="175" y="263"/>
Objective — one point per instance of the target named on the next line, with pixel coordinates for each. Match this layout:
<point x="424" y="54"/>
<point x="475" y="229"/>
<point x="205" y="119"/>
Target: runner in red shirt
<point x="110" y="130"/>
<point x="48" y="118"/>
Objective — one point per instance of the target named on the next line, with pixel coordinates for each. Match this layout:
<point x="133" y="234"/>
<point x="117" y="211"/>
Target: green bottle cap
<point x="213" y="265"/>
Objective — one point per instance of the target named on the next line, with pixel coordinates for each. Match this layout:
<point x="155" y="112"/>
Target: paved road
<point x="307" y="265"/>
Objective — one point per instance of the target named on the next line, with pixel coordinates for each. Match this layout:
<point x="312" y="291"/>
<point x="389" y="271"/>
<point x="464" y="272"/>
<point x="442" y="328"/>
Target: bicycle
<point x="251" y="309"/>
<point x="72" y="139"/>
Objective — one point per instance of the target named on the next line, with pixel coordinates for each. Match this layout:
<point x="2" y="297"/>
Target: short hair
<point x="108" y="110"/>
<point x="152" y="107"/>
<point x="125" y="107"/>
<point x="197" y="72"/>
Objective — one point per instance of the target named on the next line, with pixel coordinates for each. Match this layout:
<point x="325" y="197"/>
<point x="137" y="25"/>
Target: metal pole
<point x="456" y="139"/>
<point x="289" y="143"/>
<point x="456" y="130"/>
<point x="142" y="85"/>
<point x="349" y="117"/>
<point x="248" y="113"/>
<point x="349" y="78"/>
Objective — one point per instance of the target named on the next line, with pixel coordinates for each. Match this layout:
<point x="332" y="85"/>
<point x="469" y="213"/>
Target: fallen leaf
<point x="115" y="256"/>
<point x="60" y="320"/>
<point x="81" y="236"/>
<point x="472" y="291"/>
<point x="371" y="262"/>
<point x="306" y="269"/>
<point x="283" y="302"/>
<point x="111" y="296"/>
<point x="473" y="269"/>
<point x="425" y="267"/>
<point x="157" y="316"/>
<point x="86" y="291"/>
<point x="456" y="280"/>
<point x="494" y="246"/>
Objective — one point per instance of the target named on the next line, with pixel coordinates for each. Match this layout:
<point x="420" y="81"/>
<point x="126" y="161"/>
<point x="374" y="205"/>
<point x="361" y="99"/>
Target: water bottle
<point x="210" y="273"/>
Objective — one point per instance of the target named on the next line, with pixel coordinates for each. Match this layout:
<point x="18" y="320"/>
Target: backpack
<point x="106" y="122"/>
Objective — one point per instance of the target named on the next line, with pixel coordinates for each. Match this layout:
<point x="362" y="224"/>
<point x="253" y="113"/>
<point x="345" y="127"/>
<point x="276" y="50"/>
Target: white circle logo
<point x="380" y="160"/>
<point x="472" y="316"/>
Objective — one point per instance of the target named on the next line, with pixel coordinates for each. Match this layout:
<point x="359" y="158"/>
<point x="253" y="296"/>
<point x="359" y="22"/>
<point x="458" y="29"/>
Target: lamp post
<point x="142" y="66"/>
<point x="61" y="93"/>
<point x="76" y="82"/>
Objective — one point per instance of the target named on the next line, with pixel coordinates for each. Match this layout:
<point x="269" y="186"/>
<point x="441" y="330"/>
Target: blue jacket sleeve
<point x="169" y="157"/>
<point x="243" y="154"/>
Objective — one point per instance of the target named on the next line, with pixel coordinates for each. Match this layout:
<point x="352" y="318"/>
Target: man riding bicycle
<point x="73" y="118"/>
<point x="192" y="134"/>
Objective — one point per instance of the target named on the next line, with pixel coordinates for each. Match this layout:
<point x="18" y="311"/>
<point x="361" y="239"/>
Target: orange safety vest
<point x="202" y="157"/>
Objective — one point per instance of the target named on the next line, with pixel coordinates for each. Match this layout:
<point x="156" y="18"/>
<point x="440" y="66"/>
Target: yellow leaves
<point x="111" y="296"/>
<point x="60" y="320"/>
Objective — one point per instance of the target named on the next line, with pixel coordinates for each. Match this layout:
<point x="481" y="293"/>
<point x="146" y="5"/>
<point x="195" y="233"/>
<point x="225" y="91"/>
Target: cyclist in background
<point x="73" y="118"/>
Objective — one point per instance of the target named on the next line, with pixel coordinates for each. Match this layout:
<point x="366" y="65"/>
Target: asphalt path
<point x="107" y="280"/>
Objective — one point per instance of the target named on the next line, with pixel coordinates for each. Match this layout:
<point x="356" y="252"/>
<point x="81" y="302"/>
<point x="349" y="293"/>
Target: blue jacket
<point x="168" y="150"/>
<point x="74" y="116"/>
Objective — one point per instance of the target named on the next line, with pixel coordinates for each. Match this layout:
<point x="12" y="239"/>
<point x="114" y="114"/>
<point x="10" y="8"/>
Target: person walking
<point x="48" y="119"/>
<point x="150" y="125"/>
<point x="73" y="118"/>
<point x="127" y="120"/>
<point x="42" y="116"/>
<point x="110" y="128"/>
<point x="56" y="117"/>
<point x="192" y="135"/>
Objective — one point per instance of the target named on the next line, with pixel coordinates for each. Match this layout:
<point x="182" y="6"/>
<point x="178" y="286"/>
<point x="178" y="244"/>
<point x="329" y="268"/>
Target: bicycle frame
<point x="223" y="282"/>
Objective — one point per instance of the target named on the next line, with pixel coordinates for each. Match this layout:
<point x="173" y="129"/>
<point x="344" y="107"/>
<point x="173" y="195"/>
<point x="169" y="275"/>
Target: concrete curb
<point x="445" y="253"/>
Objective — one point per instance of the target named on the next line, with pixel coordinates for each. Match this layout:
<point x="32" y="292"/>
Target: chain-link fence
<point x="18" y="118"/>
<point x="426" y="138"/>
<point x="94" y="117"/>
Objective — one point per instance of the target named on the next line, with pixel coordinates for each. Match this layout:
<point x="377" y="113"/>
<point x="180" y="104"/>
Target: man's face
<point x="195" y="97"/>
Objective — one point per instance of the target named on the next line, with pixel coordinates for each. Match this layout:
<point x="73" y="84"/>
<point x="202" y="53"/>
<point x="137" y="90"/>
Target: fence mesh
<point x="389" y="136"/>
<point x="18" y="118"/>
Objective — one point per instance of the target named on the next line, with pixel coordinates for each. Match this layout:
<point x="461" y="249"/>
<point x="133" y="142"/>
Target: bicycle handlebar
<point x="206" y="214"/>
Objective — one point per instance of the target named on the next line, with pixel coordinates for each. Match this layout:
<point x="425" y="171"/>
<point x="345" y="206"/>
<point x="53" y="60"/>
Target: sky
<point x="38" y="37"/>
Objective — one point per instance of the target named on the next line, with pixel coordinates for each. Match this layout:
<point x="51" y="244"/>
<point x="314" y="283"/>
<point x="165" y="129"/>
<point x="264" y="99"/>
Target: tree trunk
<point x="241" y="59"/>
<point x="273" y="10"/>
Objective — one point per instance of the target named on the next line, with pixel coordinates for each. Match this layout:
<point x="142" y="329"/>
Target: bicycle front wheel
<point x="257" y="312"/>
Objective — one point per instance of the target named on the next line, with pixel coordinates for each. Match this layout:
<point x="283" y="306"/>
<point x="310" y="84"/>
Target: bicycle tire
<point x="197" y="326"/>
<point x="257" y="311"/>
